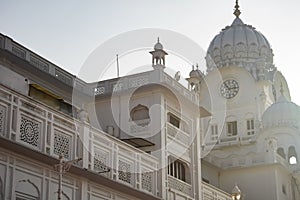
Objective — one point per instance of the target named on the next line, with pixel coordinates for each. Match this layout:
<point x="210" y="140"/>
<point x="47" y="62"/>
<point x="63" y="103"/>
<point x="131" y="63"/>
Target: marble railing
<point x="208" y="191"/>
<point x="133" y="81"/>
<point x="143" y="79"/>
<point x="180" y="186"/>
<point x="123" y="83"/>
<point x="39" y="127"/>
<point x="178" y="135"/>
<point x="35" y="60"/>
<point x="219" y="141"/>
<point x="246" y="160"/>
<point x="211" y="192"/>
<point x="180" y="89"/>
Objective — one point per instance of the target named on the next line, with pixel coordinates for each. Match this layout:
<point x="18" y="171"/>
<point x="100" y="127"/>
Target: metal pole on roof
<point x="118" y="67"/>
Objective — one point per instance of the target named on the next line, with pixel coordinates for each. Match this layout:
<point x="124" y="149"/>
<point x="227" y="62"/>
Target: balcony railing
<point x="193" y="97"/>
<point x="37" y="61"/>
<point x="178" y="135"/>
<point x="210" y="192"/>
<point x="180" y="186"/>
<point x="220" y="141"/>
<point x="248" y="160"/>
<point x="37" y="126"/>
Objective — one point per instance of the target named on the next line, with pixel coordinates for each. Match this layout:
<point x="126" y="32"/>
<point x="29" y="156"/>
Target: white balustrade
<point x="178" y="134"/>
<point x="39" y="127"/>
<point x="210" y="192"/>
<point x="40" y="63"/>
<point x="180" y="186"/>
<point x="193" y="97"/>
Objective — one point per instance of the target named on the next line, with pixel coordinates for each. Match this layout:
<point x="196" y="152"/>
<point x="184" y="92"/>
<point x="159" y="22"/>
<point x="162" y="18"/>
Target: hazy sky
<point x="66" y="32"/>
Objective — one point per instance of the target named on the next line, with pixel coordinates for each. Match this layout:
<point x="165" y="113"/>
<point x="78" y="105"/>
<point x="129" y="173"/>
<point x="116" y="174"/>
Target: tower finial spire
<point x="157" y="39"/>
<point x="237" y="11"/>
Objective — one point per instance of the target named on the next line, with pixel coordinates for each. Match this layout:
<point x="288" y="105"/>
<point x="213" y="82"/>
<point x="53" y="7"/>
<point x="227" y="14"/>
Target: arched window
<point x="250" y="127"/>
<point x="214" y="131"/>
<point x="177" y="169"/>
<point x="293" y="160"/>
<point x="27" y="190"/>
<point x="292" y="155"/>
<point x="139" y="112"/>
<point x="250" y="123"/>
<point x="231" y="126"/>
<point x="280" y="151"/>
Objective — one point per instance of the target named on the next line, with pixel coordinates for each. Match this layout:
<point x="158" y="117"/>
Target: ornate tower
<point x="158" y="56"/>
<point x="194" y="81"/>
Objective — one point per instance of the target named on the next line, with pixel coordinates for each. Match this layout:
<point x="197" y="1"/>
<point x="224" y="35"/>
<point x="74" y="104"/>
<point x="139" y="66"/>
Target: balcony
<point x="35" y="60"/>
<point x="193" y="97"/>
<point x="41" y="128"/>
<point x="210" y="192"/>
<point x="253" y="159"/>
<point x="221" y="141"/>
<point x="179" y="186"/>
<point x="178" y="135"/>
<point x="143" y="79"/>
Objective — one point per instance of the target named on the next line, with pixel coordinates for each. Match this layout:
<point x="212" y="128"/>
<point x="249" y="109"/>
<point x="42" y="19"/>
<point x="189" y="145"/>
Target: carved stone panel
<point x="2" y="119"/>
<point x="30" y="131"/>
<point x="125" y="172"/>
<point x="62" y="144"/>
<point x="147" y="179"/>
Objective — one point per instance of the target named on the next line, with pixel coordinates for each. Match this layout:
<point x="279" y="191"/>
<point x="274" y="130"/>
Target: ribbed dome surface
<point x="239" y="45"/>
<point x="282" y="113"/>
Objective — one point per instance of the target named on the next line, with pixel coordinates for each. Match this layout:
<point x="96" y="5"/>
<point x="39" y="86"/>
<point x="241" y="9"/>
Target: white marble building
<point x="146" y="136"/>
<point x="252" y="136"/>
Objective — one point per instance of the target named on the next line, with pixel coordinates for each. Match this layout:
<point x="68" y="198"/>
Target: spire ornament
<point x="237" y="11"/>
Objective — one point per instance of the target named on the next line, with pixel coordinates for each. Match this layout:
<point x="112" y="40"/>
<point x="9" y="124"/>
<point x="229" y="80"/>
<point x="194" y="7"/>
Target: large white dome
<point x="240" y="45"/>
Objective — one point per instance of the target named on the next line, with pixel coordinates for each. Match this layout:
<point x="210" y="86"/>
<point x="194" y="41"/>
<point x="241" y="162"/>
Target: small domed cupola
<point x="282" y="113"/>
<point x="194" y="81"/>
<point x="158" y="56"/>
<point x="240" y="45"/>
<point x="158" y="45"/>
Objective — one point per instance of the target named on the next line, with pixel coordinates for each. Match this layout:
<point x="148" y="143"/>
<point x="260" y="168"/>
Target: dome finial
<point x="158" y="45"/>
<point x="237" y="11"/>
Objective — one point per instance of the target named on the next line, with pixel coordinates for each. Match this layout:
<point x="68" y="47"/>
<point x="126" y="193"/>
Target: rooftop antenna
<point x="118" y="68"/>
<point x="237" y="11"/>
